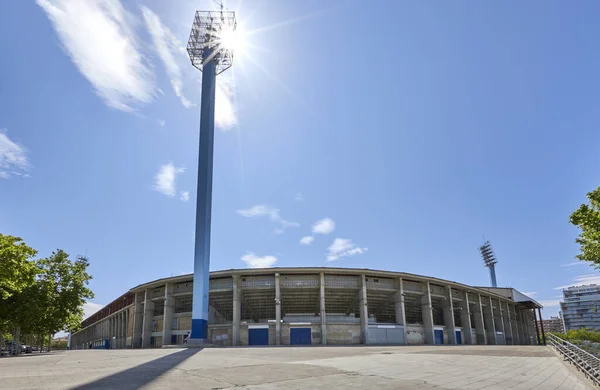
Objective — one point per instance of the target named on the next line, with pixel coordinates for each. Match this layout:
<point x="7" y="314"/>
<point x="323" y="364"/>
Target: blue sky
<point x="394" y="134"/>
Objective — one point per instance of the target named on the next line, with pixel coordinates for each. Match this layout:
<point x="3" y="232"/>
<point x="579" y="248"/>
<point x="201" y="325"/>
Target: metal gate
<point x="458" y="337"/>
<point x="439" y="336"/>
<point x="258" y="336"/>
<point x="386" y="334"/>
<point x="300" y="336"/>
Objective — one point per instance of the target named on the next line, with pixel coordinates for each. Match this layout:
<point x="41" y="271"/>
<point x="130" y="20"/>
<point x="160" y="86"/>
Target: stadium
<point x="314" y="306"/>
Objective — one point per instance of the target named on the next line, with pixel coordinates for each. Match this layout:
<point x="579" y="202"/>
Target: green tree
<point x="17" y="269"/>
<point x="587" y="218"/>
<point x="61" y="292"/>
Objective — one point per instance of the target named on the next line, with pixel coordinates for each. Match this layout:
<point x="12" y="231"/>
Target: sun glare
<point x="231" y="39"/>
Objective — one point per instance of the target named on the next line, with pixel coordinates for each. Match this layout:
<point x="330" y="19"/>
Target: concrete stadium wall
<point x="414" y="334"/>
<point x="339" y="334"/>
<point x="355" y="301"/>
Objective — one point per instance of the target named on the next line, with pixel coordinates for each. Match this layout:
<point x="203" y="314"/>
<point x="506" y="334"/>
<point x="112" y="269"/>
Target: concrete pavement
<point x="409" y="367"/>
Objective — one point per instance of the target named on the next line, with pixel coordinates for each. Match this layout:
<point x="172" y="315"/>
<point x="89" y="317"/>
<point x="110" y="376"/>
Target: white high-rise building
<point x="581" y="307"/>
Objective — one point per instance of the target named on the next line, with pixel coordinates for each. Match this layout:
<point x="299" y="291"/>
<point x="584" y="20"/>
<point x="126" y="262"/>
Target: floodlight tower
<point x="489" y="260"/>
<point x="207" y="53"/>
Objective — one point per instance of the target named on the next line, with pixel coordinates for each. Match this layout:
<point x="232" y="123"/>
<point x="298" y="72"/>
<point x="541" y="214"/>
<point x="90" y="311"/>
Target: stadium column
<point x="508" y="335"/>
<point x="519" y="325"/>
<point x="499" y="325"/>
<point x="399" y="306"/>
<point x="488" y="320"/>
<point x="138" y="320"/>
<point x="147" y="328"/>
<point x="168" y="314"/>
<point x="481" y="338"/>
<point x="524" y="331"/>
<point x="124" y="327"/>
<point x="530" y="327"/>
<point x="277" y="311"/>
<point x="322" y="306"/>
<point x="113" y="333"/>
<point x="448" y="311"/>
<point x="427" y="309"/>
<point x="237" y="311"/>
<point x="121" y="327"/>
<point x="514" y="325"/>
<point x="364" y="310"/>
<point x="465" y="319"/>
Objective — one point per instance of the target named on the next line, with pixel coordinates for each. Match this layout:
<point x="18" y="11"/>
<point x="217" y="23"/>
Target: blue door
<point x="258" y="336"/>
<point x="439" y="336"/>
<point x="458" y="337"/>
<point x="300" y="336"/>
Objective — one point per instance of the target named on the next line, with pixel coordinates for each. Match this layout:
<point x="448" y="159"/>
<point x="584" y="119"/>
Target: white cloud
<point x="254" y="261"/>
<point x="13" y="157"/>
<point x="90" y="308"/>
<point x="166" y="44"/>
<point x="574" y="263"/>
<point x="550" y="303"/>
<point x="162" y="123"/>
<point x="324" y="226"/>
<point x="185" y="196"/>
<point x="582" y="280"/>
<point x="165" y="179"/>
<point x="225" y="113"/>
<point x="262" y="210"/>
<point x="98" y="36"/>
<point x="531" y="294"/>
<point x="299" y="197"/>
<point x="278" y="231"/>
<point x="307" y="240"/>
<point x="342" y="247"/>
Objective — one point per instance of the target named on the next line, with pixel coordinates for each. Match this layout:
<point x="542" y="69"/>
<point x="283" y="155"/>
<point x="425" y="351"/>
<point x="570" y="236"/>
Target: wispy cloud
<point x="166" y="45"/>
<point x="550" y="303"/>
<point x="254" y="261"/>
<point x="581" y="280"/>
<point x="90" y="308"/>
<point x="165" y="179"/>
<point x="225" y="113"/>
<point x="99" y="38"/>
<point x="184" y="195"/>
<point x="13" y="157"/>
<point x="307" y="240"/>
<point x="299" y="197"/>
<point x="262" y="210"/>
<point x="324" y="226"/>
<point x="574" y="263"/>
<point x="531" y="294"/>
<point x="342" y="247"/>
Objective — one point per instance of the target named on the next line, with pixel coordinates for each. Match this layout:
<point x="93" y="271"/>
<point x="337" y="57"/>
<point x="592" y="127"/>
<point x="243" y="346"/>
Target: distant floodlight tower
<point x="489" y="260"/>
<point x="209" y="52"/>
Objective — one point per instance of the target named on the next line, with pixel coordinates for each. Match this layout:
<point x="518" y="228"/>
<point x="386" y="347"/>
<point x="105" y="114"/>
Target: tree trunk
<point x="16" y="341"/>
<point x="49" y="342"/>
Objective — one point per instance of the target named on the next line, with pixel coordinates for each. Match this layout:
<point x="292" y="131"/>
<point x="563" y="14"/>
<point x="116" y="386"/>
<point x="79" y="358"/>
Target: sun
<point x="231" y="39"/>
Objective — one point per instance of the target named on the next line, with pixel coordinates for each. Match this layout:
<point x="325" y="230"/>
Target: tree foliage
<point x="587" y="218"/>
<point x="17" y="269"/>
<point x="44" y="296"/>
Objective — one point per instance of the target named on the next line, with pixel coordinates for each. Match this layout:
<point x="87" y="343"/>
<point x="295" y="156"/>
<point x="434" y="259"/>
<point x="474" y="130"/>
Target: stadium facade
<point x="283" y="306"/>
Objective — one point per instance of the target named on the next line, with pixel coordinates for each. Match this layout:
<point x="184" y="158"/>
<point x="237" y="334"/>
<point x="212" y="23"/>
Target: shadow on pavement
<point x="141" y="375"/>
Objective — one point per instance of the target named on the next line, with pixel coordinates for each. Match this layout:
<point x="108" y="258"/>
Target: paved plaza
<point x="407" y="367"/>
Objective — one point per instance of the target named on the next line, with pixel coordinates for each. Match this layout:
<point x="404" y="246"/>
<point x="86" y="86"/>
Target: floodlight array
<point x="205" y="42"/>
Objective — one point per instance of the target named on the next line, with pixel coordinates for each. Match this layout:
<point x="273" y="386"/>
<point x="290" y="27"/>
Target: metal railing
<point x="585" y="361"/>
